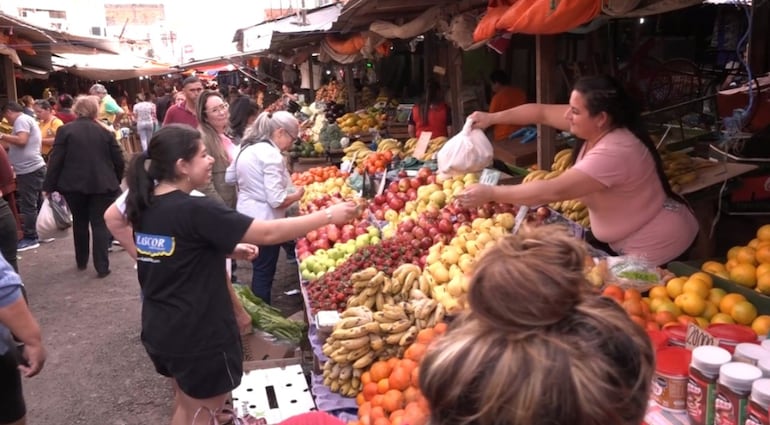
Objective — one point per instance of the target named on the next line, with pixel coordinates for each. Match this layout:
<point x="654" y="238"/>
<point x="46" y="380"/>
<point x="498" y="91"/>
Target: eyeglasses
<point x="219" y="108"/>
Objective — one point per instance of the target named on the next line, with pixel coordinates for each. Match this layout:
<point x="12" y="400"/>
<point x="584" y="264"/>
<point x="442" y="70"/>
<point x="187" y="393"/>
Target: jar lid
<point x="709" y="358"/>
<point x="751" y="351"/>
<point x="761" y="386"/>
<point x="673" y="361"/>
<point x="732" y="332"/>
<point x="659" y="338"/>
<point x="676" y="332"/>
<point x="764" y="365"/>
<point x="739" y="375"/>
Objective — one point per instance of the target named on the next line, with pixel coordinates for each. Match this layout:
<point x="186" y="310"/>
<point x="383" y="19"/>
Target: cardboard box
<point x="261" y="346"/>
<point x="274" y="390"/>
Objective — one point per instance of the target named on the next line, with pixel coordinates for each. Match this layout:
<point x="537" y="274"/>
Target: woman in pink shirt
<point x="618" y="173"/>
<point x="213" y="120"/>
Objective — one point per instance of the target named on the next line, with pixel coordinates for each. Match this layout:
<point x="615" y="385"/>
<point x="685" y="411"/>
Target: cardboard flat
<point x="259" y="346"/>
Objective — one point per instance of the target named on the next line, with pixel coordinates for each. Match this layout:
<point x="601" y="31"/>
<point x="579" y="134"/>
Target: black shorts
<point x="12" y="407"/>
<point x="203" y="375"/>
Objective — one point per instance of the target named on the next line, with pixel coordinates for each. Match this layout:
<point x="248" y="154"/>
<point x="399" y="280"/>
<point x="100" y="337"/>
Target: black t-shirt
<point x="181" y="245"/>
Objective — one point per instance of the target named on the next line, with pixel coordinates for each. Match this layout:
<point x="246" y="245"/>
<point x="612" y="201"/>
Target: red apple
<point x="418" y="232"/>
<point x="360" y="231"/>
<point x="333" y="234"/>
<point x="424" y="173"/>
<point x="483" y="212"/>
<point x="402" y="196"/>
<point x="406" y="226"/>
<point x="426" y="242"/>
<point x="414" y="243"/>
<point x="312" y="236"/>
<point x="403" y="173"/>
<point x="440" y="238"/>
<point x="379" y="199"/>
<point x="432" y="211"/>
<point x="349" y="228"/>
<point x="433" y="231"/>
<point x="446" y="215"/>
<point x="415" y="183"/>
<point x="456" y="225"/>
<point x="445" y="226"/>
<point x="422" y="260"/>
<point x="396" y="204"/>
<point x="404" y="184"/>
<point x="411" y="194"/>
<point x="430" y="179"/>
<point x="393" y="187"/>
<point x="462" y="218"/>
<point x="379" y="214"/>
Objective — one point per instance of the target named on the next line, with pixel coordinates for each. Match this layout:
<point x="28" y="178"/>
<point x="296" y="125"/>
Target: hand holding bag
<point x="467" y="152"/>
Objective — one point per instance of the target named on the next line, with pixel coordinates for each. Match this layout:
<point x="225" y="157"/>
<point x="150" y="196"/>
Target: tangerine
<point x="614" y="291"/>
<point x="381" y="421"/>
<point x="728" y="301"/>
<point x="370" y="390"/>
<point x="663" y="317"/>
<point x="411" y="394"/>
<point x="722" y="318"/>
<point x="713" y="267"/>
<point x="440" y="328"/>
<point x="415" y="377"/>
<point x="632" y="294"/>
<point x="425" y="336"/>
<point x="705" y="277"/>
<point x="658" y="292"/>
<point x="415" y="352"/>
<point x="747" y="255"/>
<point x="753" y="243"/>
<point x="693" y="304"/>
<point x="763" y="233"/>
<point x="360" y="399"/>
<point x="633" y="307"/>
<point x="761" y="325"/>
<point x="408" y="364"/>
<point x="716" y="295"/>
<point x="763" y="269"/>
<point x="399" y="379"/>
<point x="744" y="274"/>
<point x="366" y="378"/>
<point x="743" y="312"/>
<point x="379" y="370"/>
<point x="732" y="253"/>
<point x="393" y="401"/>
<point x="383" y="385"/>
<point x="674" y="287"/>
<point x="763" y="283"/>
<point x="377" y="411"/>
<point x="696" y="286"/>
<point x="710" y="311"/>
<point x="763" y="254"/>
<point x="730" y="264"/>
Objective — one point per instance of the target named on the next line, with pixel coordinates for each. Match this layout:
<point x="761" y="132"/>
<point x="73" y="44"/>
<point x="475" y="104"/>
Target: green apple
<point x="362" y="241"/>
<point x="308" y="275"/>
<point x="374" y="240"/>
<point x="373" y="231"/>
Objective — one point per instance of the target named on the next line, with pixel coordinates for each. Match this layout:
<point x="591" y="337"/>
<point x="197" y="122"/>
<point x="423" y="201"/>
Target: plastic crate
<point x="274" y="389"/>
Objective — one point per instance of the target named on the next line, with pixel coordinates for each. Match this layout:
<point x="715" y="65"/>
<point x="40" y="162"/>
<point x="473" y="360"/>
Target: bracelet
<point x="328" y="215"/>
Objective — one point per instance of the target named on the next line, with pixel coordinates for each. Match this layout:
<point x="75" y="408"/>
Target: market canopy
<point x="110" y="67"/>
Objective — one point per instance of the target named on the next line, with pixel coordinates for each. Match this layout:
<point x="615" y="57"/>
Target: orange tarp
<point x="535" y="16"/>
<point x="487" y="27"/>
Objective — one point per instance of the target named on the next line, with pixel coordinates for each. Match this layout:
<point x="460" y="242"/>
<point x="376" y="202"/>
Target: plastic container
<point x="658" y="338"/>
<point x="733" y="390"/>
<point x="730" y="335"/>
<point x="759" y="401"/>
<point x="764" y="366"/>
<point x="750" y="353"/>
<point x="702" y="383"/>
<point x="669" y="383"/>
<point x="765" y="344"/>
<point x="677" y="334"/>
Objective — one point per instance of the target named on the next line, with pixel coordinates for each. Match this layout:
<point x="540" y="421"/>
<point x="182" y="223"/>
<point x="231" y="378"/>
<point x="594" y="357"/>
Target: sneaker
<point x="46" y="240"/>
<point x="27" y="244"/>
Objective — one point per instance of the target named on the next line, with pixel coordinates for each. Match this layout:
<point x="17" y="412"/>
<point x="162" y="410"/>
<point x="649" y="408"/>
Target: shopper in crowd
<point x="49" y="125"/>
<point x="64" y="113"/>
<point x="110" y="113"/>
<point x="9" y="225"/>
<point x="213" y="116"/>
<point x="127" y="119"/>
<point x="28" y="103"/>
<point x="146" y="120"/>
<point x="264" y="184"/>
<point x="186" y="112"/>
<point x="559" y="355"/>
<point x="163" y="99"/>
<point x="505" y="96"/>
<point x="15" y="361"/>
<point x="243" y="112"/>
<point x="24" y="144"/>
<point x="86" y="167"/>
<point x="431" y="114"/>
<point x="179" y="98"/>
<point x="188" y="315"/>
<point x="618" y="173"/>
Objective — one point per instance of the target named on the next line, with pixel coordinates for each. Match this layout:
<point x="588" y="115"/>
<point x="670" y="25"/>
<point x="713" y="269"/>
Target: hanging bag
<point x="61" y="212"/>
<point x="467" y="152"/>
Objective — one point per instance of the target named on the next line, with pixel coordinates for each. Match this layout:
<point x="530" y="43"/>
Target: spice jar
<point x="764" y="366"/>
<point x="730" y="335"/>
<point x="733" y="389"/>
<point x="750" y="353"/>
<point x="669" y="383"/>
<point x="702" y="383"/>
<point x="758" y="403"/>
<point x="677" y="334"/>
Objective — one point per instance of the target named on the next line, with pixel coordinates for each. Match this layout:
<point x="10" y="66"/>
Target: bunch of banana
<point x="391" y="145"/>
<point x="679" y="168"/>
<point x="434" y="146"/>
<point x="573" y="210"/>
<point x="562" y="160"/>
<point x="374" y="290"/>
<point x="352" y="346"/>
<point x="427" y="312"/>
<point x="357" y="151"/>
<point x="409" y="146"/>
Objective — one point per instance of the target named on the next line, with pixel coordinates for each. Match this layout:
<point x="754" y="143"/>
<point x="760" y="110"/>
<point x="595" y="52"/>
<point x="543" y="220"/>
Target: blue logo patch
<point x="155" y="245"/>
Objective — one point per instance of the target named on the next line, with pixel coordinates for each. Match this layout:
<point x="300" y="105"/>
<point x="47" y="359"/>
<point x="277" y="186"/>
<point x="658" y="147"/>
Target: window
<point x="57" y="14"/>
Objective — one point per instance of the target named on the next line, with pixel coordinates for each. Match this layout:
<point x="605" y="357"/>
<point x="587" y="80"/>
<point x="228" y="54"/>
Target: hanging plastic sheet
<point x="645" y="7"/>
<point x="487" y="27"/>
<point x="548" y="16"/>
<point x="411" y="29"/>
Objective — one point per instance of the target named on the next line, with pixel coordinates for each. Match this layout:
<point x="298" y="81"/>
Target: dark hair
<point x="168" y="145"/>
<point x="499" y="77"/>
<point x="43" y="104"/>
<point x="603" y="93"/>
<point x="190" y="80"/>
<point x="432" y="96"/>
<point x="65" y="101"/>
<point x="241" y="109"/>
<point x="52" y="101"/>
<point x="13" y="107"/>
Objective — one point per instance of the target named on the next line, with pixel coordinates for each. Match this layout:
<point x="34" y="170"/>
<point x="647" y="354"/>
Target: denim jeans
<point x="145" y="130"/>
<point x="263" y="268"/>
<point x="28" y="187"/>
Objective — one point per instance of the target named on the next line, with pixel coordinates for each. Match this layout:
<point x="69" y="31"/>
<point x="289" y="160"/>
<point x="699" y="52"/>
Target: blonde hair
<point x="537" y="346"/>
<point x="210" y="136"/>
<point x="86" y="106"/>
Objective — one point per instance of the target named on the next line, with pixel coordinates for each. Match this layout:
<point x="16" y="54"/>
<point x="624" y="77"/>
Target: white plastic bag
<point x="46" y="223"/>
<point x="467" y="152"/>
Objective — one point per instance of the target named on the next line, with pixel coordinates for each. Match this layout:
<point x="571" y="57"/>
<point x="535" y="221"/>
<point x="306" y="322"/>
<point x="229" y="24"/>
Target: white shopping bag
<point x="467" y="152"/>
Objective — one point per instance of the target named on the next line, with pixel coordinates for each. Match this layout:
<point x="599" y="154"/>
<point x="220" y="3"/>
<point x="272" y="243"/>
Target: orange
<point x="411" y="394"/>
<point x="425" y="336"/>
<point x="670" y="307"/>
<point x="713" y="267"/>
<point x="632" y="294"/>
<point x="381" y="421"/>
<point x="763" y="233"/>
<point x="377" y="411"/>
<point x="730" y="264"/>
<point x="370" y="390"/>
<point x="613" y="291"/>
<point x="393" y="362"/>
<point x="703" y="323"/>
<point x="744" y="274"/>
<point x="440" y="328"/>
<point x="360" y="399"/>
<point x="728" y="302"/>
<point x="716" y="295"/>
<point x="761" y="325"/>
<point x="762" y="269"/>
<point x="763" y="283"/>
<point x="705" y="277"/>
<point x="663" y="317"/>
<point x="399" y="379"/>
<point x="722" y="318"/>
<point x="366" y="378"/>
<point x="674" y="286"/>
<point x="652" y="326"/>
<point x="415" y="352"/>
<point x="379" y="370"/>
<point x="693" y="304"/>
<point x="415" y="377"/>
<point x="393" y="401"/>
<point x="408" y="364"/>
<point x="732" y="253"/>
<point x="747" y="255"/>
<point x="633" y="307"/>
<point x="377" y="402"/>
<point x="383" y="385"/>
<point x="686" y="320"/>
<point x="658" y="292"/>
<point x="753" y="243"/>
<point x="743" y="312"/>
<point x="710" y="311"/>
<point x="763" y="254"/>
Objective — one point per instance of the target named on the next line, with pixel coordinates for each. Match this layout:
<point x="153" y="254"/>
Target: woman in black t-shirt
<point x="188" y="315"/>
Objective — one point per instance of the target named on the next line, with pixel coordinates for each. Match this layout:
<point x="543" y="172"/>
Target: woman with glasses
<point x="213" y="120"/>
<point x="262" y="178"/>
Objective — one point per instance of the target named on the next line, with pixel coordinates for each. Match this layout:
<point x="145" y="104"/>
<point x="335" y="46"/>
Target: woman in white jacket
<point x="264" y="185"/>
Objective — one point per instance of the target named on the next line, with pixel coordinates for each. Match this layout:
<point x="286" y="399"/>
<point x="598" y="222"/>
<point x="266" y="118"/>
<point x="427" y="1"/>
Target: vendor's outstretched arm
<point x="529" y="113"/>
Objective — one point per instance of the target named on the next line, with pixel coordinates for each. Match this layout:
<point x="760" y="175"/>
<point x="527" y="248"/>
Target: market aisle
<point x="97" y="370"/>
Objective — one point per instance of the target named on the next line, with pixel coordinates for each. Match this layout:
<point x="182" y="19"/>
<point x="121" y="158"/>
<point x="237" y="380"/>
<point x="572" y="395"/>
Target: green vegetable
<point x="639" y="275"/>
<point x="268" y="318"/>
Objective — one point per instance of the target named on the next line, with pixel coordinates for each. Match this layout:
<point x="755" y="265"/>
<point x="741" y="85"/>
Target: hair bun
<point x="529" y="280"/>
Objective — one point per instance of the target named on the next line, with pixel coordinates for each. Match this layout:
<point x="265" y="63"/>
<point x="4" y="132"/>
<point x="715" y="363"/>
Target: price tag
<point x="422" y="144"/>
<point x="381" y="187"/>
<point x="346" y="166"/>
<point x="489" y="177"/>
<point x="697" y="337"/>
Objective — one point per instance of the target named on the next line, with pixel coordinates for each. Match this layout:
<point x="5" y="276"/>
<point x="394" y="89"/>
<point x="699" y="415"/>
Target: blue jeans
<point x="28" y="187"/>
<point x="263" y="271"/>
<point x="145" y="130"/>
